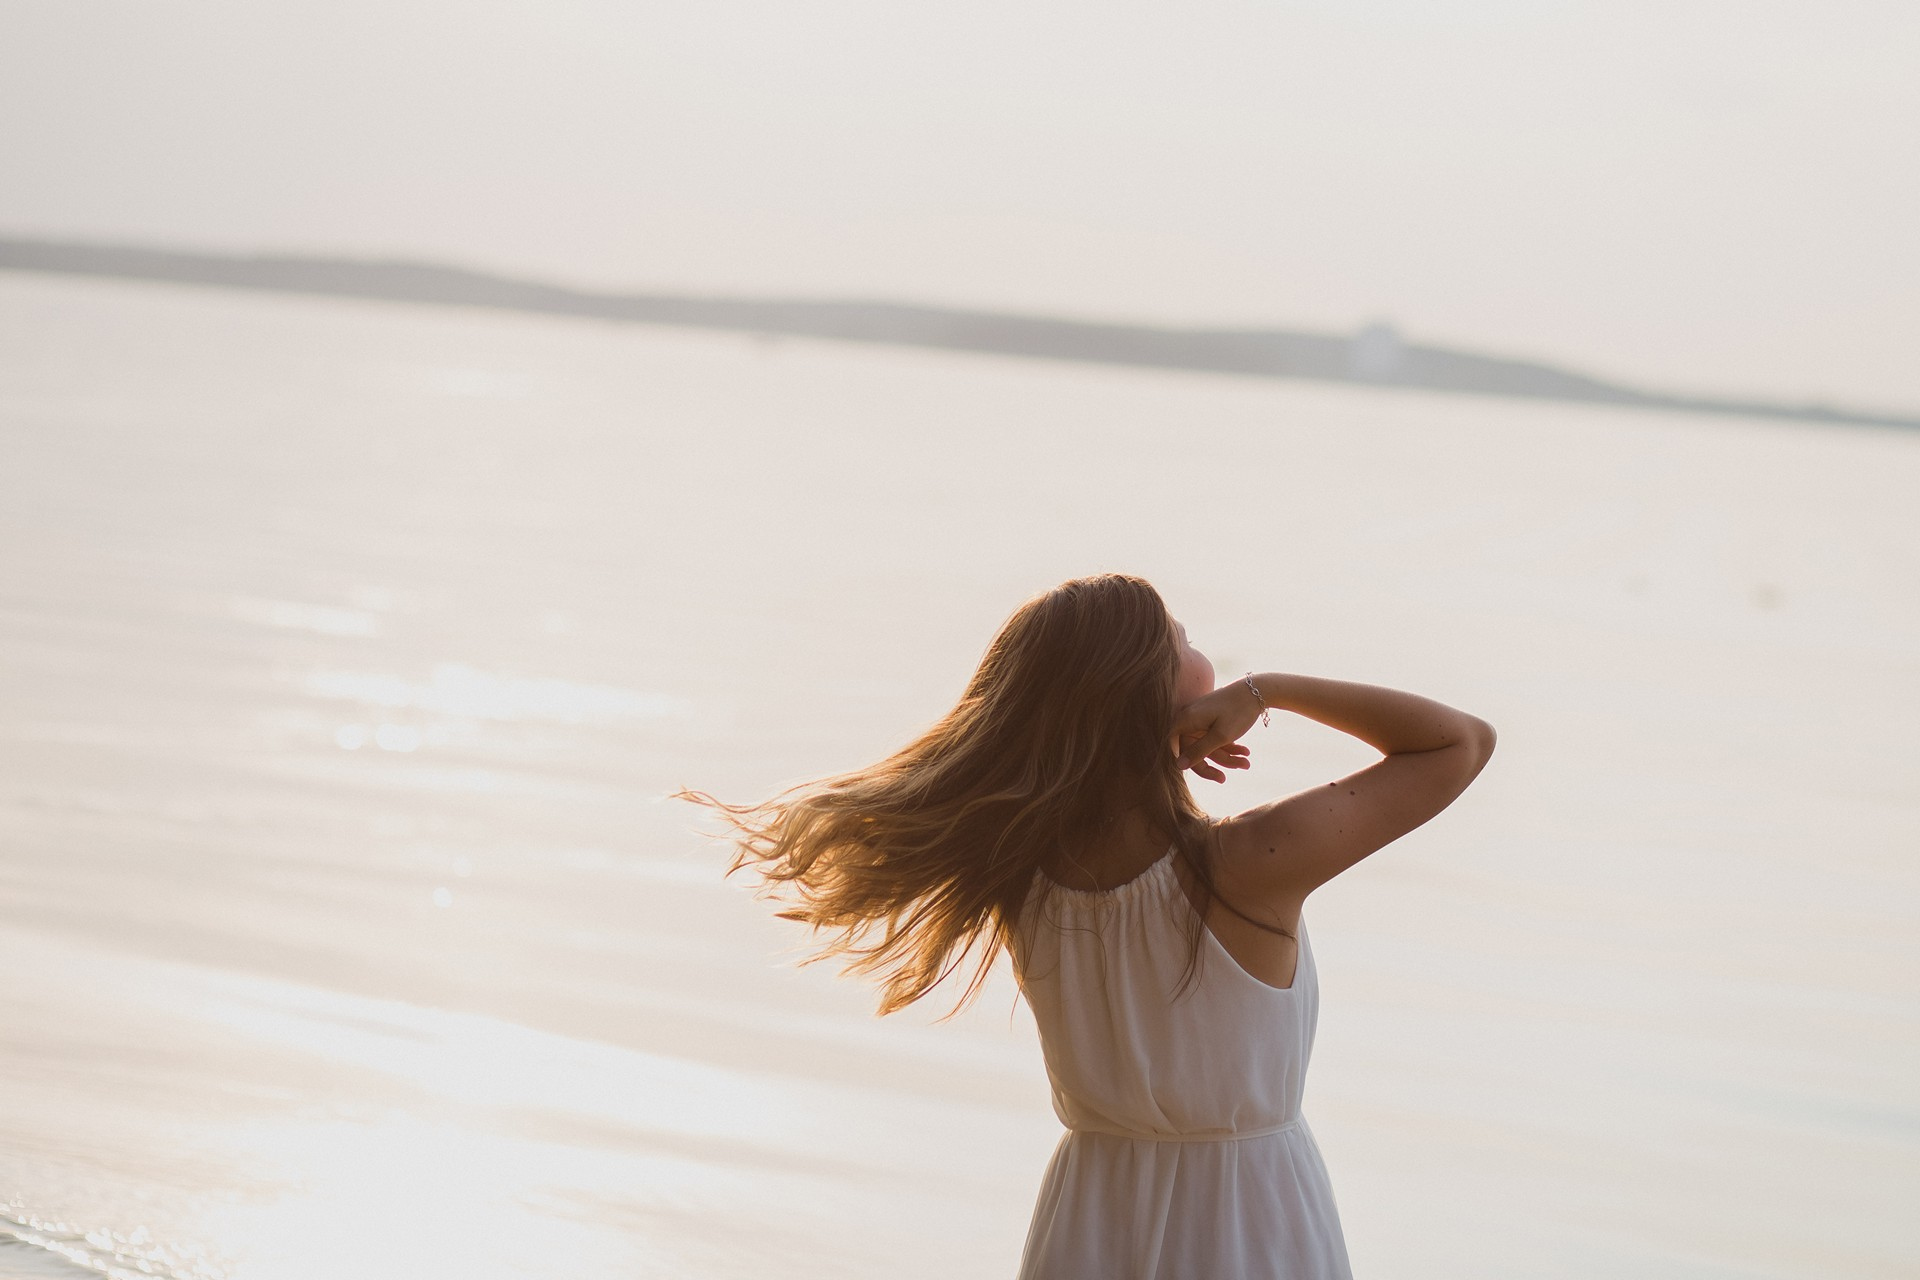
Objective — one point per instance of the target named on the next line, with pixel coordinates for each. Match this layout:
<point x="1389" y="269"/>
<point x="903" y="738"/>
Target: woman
<point x="1162" y="952"/>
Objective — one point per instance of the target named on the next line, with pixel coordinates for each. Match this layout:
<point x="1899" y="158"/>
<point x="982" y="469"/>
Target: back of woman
<point x="1179" y="1084"/>
<point x="1162" y="951"/>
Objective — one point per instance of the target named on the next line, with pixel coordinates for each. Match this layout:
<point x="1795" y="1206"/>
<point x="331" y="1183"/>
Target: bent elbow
<point x="1482" y="740"/>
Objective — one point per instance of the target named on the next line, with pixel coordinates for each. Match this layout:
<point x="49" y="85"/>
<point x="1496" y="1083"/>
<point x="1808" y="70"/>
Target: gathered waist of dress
<point x="1236" y="1135"/>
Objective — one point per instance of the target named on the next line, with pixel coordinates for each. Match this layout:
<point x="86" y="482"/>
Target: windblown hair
<point x="916" y="862"/>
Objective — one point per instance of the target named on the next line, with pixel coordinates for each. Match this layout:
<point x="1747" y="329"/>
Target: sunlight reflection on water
<point x="464" y="1171"/>
<point x="457" y="689"/>
<point x="321" y="619"/>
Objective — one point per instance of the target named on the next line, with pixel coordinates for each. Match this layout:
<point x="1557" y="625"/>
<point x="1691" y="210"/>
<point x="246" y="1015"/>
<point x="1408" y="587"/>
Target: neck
<point x="1129" y="833"/>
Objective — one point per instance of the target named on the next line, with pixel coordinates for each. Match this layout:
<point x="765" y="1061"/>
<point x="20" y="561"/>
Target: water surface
<point x="347" y="653"/>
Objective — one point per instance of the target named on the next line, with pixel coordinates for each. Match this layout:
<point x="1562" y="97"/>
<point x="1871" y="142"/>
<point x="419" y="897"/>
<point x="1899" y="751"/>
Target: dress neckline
<point x="1125" y="889"/>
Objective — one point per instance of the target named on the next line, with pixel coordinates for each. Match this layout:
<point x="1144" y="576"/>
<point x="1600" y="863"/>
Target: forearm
<point x="1389" y="720"/>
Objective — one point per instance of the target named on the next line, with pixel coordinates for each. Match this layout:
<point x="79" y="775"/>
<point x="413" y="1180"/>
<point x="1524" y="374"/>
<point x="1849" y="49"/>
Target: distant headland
<point x="1376" y="356"/>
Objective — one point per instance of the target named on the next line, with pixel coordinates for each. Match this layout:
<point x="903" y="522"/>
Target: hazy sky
<point x="1703" y="196"/>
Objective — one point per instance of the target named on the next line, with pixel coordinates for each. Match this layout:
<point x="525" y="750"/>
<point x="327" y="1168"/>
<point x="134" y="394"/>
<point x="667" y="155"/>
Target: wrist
<point x="1250" y="683"/>
<point x="1279" y="690"/>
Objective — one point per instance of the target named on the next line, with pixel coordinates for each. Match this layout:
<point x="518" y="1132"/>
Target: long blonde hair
<point x="914" y="863"/>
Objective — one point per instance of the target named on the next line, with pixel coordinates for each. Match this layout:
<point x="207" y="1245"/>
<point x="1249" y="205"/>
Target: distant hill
<point x="1376" y="356"/>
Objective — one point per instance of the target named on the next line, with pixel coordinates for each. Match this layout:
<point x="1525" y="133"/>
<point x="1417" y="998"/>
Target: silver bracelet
<point x="1266" y="712"/>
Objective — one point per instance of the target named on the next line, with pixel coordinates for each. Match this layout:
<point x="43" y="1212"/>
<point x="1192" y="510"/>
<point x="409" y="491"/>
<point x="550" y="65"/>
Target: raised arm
<point x="1280" y="852"/>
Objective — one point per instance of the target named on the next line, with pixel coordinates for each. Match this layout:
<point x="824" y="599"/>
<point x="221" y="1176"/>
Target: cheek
<point x="1196" y="676"/>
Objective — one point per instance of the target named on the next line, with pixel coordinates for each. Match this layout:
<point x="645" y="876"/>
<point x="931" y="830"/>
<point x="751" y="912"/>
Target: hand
<point x="1210" y="727"/>
<point x="1231" y="756"/>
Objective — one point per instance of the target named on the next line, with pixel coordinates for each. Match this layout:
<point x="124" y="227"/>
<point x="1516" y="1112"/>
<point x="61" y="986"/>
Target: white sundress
<point x="1186" y="1156"/>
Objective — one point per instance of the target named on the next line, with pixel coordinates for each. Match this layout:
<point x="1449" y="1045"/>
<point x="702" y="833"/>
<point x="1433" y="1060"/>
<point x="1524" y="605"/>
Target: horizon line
<point x="1375" y="356"/>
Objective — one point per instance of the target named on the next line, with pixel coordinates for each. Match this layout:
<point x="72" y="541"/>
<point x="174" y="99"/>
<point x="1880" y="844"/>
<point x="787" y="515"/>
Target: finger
<point x="1186" y="744"/>
<point x="1187" y="727"/>
<point x="1210" y="742"/>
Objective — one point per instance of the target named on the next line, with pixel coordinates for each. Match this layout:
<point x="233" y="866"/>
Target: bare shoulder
<point x="1252" y="851"/>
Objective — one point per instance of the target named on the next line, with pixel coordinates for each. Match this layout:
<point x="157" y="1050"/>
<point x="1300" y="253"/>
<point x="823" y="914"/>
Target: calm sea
<point x="347" y="652"/>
